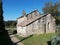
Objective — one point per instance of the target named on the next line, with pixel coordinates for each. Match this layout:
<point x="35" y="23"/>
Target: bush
<point x="14" y="31"/>
<point x="56" y="40"/>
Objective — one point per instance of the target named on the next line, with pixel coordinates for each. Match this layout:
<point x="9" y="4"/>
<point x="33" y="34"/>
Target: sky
<point x="13" y="8"/>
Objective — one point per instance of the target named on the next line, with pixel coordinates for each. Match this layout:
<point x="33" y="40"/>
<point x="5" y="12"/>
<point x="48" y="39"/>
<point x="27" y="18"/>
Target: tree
<point x="2" y="27"/>
<point x="10" y="23"/>
<point x="4" y="37"/>
<point x="52" y="8"/>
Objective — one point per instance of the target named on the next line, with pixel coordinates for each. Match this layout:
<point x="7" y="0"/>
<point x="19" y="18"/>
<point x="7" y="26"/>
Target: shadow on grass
<point x="5" y="39"/>
<point x="49" y="42"/>
<point x="24" y="38"/>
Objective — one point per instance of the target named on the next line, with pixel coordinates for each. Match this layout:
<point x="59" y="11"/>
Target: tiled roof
<point x="24" y="23"/>
<point x="27" y="22"/>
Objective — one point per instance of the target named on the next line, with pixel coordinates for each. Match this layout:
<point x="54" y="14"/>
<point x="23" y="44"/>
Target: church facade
<point x="35" y="23"/>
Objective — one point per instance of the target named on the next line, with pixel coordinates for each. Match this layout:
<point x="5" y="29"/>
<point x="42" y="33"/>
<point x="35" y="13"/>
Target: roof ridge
<point x="28" y="13"/>
<point x="34" y="19"/>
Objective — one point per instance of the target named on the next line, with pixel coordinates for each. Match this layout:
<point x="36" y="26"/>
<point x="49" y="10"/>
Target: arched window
<point x="39" y="23"/>
<point x="48" y="25"/>
<point x="44" y="28"/>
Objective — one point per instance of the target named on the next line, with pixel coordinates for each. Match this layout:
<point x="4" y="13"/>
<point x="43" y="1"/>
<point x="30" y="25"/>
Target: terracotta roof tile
<point x="24" y="23"/>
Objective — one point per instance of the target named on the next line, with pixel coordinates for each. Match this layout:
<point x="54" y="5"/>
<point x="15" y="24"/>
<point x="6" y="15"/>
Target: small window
<point x="48" y="26"/>
<point x="44" y="28"/>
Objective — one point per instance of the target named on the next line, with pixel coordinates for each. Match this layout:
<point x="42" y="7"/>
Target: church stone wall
<point x="45" y="24"/>
<point x="42" y="25"/>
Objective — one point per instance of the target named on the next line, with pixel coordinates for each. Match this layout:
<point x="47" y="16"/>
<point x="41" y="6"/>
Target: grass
<point x="37" y="39"/>
<point x="19" y="37"/>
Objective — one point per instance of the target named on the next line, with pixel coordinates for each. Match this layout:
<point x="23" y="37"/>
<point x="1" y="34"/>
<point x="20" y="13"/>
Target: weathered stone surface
<point x="36" y="24"/>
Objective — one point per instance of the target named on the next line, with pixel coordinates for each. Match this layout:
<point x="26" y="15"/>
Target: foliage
<point x="56" y="39"/>
<point x="1" y="18"/>
<point x="54" y="9"/>
<point x="58" y="20"/>
<point x="10" y="23"/>
<point x="14" y="31"/>
<point x="4" y="37"/>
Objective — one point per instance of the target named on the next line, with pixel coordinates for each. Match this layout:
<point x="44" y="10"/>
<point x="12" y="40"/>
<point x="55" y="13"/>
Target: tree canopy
<point x="10" y="23"/>
<point x="54" y="9"/>
<point x="1" y="17"/>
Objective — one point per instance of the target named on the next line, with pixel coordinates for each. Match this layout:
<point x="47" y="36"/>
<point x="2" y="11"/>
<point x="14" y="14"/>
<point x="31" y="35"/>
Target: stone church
<point x="35" y="23"/>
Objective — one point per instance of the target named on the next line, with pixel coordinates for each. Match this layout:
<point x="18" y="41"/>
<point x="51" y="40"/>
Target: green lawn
<point x="37" y="39"/>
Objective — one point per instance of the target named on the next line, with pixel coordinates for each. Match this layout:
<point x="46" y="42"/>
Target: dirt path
<point x="15" y="40"/>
